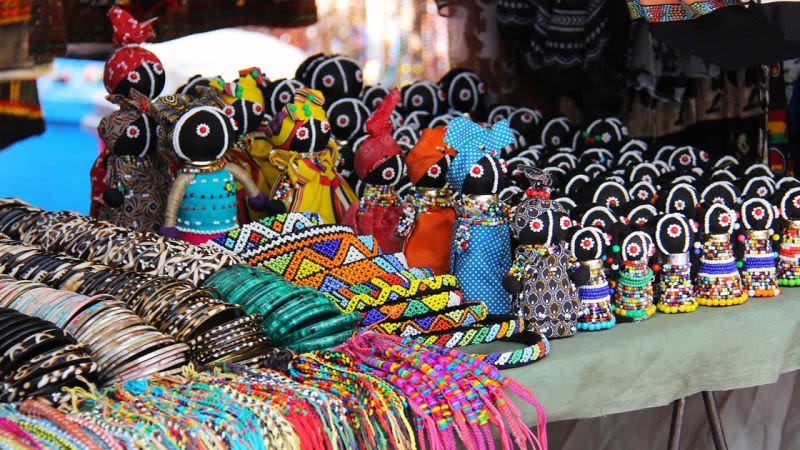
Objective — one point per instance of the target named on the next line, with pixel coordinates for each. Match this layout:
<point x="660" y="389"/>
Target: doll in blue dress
<point x="481" y="254"/>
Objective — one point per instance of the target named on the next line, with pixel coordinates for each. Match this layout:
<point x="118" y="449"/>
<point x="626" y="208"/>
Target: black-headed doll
<point x="759" y="274"/>
<point x="633" y="295"/>
<point x="674" y="238"/>
<point x="588" y="246"/>
<point x="718" y="282"/>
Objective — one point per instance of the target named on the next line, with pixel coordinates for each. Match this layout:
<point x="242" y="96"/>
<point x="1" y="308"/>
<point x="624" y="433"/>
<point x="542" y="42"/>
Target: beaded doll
<point x="789" y="251"/>
<point x="539" y="277"/>
<point x="481" y="252"/>
<point x="245" y="106"/>
<point x="588" y="246"/>
<point x="137" y="177"/>
<point x="758" y="265"/>
<point x="633" y="297"/>
<point x="305" y="155"/>
<point x="464" y="92"/>
<point x="379" y="165"/>
<point x="422" y="101"/>
<point x="718" y="282"/>
<point x="428" y="214"/>
<point x="336" y="77"/>
<point x="202" y="201"/>
<point x="673" y="235"/>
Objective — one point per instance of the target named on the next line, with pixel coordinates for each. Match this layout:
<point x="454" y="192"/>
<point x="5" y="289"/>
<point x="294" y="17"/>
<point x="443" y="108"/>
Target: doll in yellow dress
<point x="304" y="153"/>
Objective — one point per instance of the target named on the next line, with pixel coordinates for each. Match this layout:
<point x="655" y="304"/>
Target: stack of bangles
<point x="120" y="342"/>
<point x="37" y="359"/>
<point x="217" y="331"/>
<point x="104" y="243"/>
<point x="298" y="318"/>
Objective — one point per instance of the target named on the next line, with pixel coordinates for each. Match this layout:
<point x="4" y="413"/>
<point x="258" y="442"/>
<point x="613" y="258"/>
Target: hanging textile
<point x="20" y="112"/>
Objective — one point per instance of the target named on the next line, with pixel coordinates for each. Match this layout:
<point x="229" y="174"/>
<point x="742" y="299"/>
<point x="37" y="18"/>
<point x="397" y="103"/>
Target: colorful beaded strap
<point x="496" y="328"/>
<point x="391" y="288"/>
<point x="250" y="237"/>
<point x="361" y="271"/>
<point x="410" y="308"/>
<point x="413" y="324"/>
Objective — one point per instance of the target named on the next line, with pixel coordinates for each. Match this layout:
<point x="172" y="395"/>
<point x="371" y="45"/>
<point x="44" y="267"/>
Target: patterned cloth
<point x="431" y="220"/>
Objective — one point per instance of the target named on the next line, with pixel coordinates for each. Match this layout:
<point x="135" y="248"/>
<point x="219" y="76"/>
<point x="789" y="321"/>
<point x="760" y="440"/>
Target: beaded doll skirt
<point x="789" y="271"/>
<point x="598" y="313"/>
<point x="719" y="289"/>
<point x="676" y="291"/>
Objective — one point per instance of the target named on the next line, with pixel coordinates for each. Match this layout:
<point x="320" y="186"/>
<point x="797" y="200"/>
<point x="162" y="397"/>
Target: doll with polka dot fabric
<point x="718" y="281"/>
<point x="428" y="214"/>
<point x="481" y="247"/>
<point x="305" y="156"/>
<point x="245" y="106"/>
<point x="633" y="295"/>
<point x="202" y="201"/>
<point x="137" y="177"/>
<point x="380" y="166"/>
<point x="539" y="279"/>
<point x="674" y="241"/>
<point x="789" y="251"/>
<point x="588" y="247"/>
<point x="758" y="269"/>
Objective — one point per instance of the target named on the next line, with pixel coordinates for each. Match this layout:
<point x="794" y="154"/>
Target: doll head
<point x="575" y="184"/>
<point x="245" y="100"/>
<point x="302" y="125"/>
<point x="756" y="213"/>
<point x="379" y="159"/>
<point x="429" y="160"/>
<point x="759" y="170"/>
<point x="534" y="224"/>
<point x="304" y="70"/>
<point x="336" y="77"/>
<point x="639" y="214"/>
<point x="606" y="133"/>
<point x="425" y="97"/>
<point x="499" y="112"/>
<point x="637" y="247"/>
<point x="556" y="133"/>
<point x="477" y="169"/>
<point x="758" y="186"/>
<point x="720" y="192"/>
<point x="683" y="158"/>
<point x="563" y="160"/>
<point x="629" y="159"/>
<point x="279" y="93"/>
<point x="526" y="122"/>
<point x="587" y="244"/>
<point x="193" y="128"/>
<point x="348" y="118"/>
<point x="406" y="137"/>
<point x="464" y="92"/>
<point x="608" y="193"/>
<point x="198" y="80"/>
<point x="716" y="219"/>
<point x="598" y="216"/>
<point x="131" y="66"/>
<point x="642" y="191"/>
<point x="673" y="234"/>
<point x="130" y="131"/>
<point x="789" y="204"/>
<point x="372" y="96"/>
<point x="680" y="198"/>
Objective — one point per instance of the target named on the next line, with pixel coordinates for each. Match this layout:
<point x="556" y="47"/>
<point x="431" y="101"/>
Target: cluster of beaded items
<point x="758" y="270"/>
<point x="418" y="202"/>
<point x="595" y="297"/>
<point x="375" y="195"/>
<point x="718" y="281"/>
<point x="676" y="291"/>
<point x="789" y="256"/>
<point x="482" y="210"/>
<point x="633" y="298"/>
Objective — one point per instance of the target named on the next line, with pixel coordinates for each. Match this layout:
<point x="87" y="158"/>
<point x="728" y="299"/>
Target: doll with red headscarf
<point x="131" y="75"/>
<point x="379" y="164"/>
<point x="428" y="214"/>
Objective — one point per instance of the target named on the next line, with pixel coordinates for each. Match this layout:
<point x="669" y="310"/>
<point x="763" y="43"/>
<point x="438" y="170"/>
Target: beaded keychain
<point x="718" y="282"/>
<point x="673" y="235"/>
<point x="633" y="297"/>
<point x="789" y="251"/>
<point x="588" y="246"/>
<point x="758" y="258"/>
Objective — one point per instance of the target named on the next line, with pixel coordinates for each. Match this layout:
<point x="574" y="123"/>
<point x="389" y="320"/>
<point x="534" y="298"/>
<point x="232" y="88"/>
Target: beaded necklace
<point x="204" y="168"/>
<point x="789" y="256"/>
<point x="478" y="210"/>
<point x="420" y="201"/>
<point x="676" y="291"/>
<point x="377" y="196"/>
<point x="718" y="281"/>
<point x="633" y="297"/>
<point x="759" y="270"/>
<point x="595" y="297"/>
